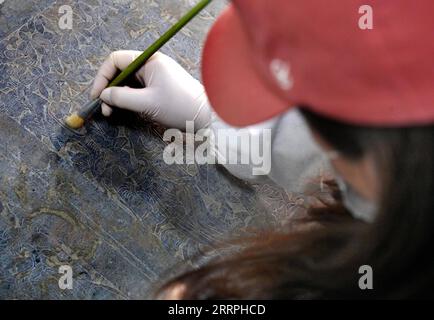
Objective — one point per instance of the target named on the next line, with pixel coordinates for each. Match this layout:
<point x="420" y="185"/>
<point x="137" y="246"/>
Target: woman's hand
<point x="168" y="93"/>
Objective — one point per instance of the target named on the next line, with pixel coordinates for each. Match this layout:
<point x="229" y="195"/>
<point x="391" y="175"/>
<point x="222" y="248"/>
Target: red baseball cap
<point x="262" y="58"/>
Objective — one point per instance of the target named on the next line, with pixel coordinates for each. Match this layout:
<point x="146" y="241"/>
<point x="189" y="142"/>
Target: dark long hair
<point x="324" y="263"/>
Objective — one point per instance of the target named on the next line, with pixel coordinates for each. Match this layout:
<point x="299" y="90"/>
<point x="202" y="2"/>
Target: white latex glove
<point x="170" y="95"/>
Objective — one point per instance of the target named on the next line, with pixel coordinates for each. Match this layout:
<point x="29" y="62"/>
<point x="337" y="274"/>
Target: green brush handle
<point x="141" y="60"/>
<point x="93" y="106"/>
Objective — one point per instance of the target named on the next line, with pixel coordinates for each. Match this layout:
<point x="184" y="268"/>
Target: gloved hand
<point x="170" y="95"/>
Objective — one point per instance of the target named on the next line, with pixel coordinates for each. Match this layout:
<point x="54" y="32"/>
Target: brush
<point x="77" y="119"/>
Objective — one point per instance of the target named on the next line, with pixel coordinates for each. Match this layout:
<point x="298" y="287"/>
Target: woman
<point x="364" y="101"/>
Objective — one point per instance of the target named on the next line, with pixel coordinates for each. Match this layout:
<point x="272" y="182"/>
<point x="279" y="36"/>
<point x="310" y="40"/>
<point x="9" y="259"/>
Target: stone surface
<point x="102" y="200"/>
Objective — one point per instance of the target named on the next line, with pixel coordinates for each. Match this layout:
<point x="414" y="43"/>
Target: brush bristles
<point x="74" y="121"/>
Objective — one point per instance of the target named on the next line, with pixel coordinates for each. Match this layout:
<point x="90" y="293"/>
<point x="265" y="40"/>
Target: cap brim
<point x="233" y="85"/>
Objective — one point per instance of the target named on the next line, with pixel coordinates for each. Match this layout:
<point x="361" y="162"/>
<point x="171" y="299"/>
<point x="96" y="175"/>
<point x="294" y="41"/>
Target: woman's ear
<point x="360" y="174"/>
<point x="175" y="292"/>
